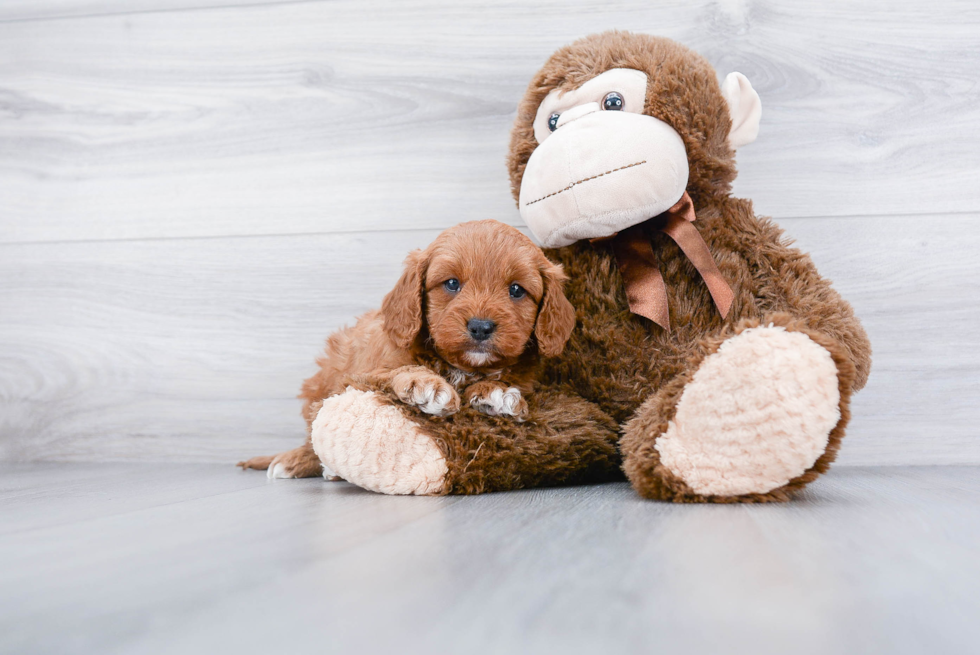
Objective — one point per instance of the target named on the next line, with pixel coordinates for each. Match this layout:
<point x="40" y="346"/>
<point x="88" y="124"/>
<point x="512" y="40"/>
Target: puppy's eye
<point x="451" y="285"/>
<point x="553" y="122"/>
<point x="517" y="291"/>
<point x="612" y="102"/>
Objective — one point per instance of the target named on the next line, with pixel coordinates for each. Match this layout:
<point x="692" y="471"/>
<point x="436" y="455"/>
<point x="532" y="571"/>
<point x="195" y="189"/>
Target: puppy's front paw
<point x="497" y="400"/>
<point x="427" y="391"/>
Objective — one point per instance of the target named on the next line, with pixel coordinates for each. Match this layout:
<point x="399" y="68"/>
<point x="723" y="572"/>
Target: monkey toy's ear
<point x="745" y="108"/>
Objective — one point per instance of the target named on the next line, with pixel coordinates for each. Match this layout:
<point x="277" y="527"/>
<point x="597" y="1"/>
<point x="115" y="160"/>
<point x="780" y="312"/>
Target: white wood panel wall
<point x="194" y="193"/>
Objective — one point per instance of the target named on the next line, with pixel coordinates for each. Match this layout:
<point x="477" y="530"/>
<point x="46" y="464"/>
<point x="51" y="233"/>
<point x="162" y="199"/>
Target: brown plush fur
<point x="639" y="357"/>
<point x="643" y="369"/>
<point x="419" y="339"/>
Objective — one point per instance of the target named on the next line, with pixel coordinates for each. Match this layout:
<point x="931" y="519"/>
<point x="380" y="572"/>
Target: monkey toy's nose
<point x="480" y="329"/>
<point x="577" y="112"/>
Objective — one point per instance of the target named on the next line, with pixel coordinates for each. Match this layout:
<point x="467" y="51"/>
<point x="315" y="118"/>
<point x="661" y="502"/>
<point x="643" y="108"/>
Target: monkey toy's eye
<point x="553" y="122"/>
<point x="451" y="285"/>
<point x="517" y="291"/>
<point x="612" y="102"/>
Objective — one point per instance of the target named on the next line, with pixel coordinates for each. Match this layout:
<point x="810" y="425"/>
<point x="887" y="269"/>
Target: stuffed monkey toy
<point x="710" y="362"/>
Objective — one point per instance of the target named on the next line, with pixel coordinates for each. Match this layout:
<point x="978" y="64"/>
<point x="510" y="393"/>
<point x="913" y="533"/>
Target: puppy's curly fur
<point x="422" y="346"/>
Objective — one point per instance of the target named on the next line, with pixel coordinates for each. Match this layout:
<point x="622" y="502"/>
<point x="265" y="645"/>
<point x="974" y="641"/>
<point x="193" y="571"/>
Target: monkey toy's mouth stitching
<point x="586" y="179"/>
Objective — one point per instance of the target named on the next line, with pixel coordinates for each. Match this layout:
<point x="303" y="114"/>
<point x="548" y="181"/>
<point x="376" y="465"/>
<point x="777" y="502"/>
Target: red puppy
<point x="471" y="314"/>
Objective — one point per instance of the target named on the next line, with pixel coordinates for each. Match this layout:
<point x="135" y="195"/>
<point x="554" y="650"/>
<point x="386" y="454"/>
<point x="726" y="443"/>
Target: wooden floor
<point x="138" y="558"/>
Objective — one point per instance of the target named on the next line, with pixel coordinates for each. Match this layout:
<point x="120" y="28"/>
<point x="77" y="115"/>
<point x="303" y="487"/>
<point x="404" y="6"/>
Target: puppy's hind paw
<point x="300" y="462"/>
<point x="278" y="471"/>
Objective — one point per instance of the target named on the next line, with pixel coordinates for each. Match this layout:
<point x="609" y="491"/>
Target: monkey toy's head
<point x="616" y="127"/>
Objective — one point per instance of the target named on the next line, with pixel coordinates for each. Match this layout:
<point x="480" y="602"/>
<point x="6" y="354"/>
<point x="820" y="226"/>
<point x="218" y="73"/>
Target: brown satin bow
<point x="638" y="264"/>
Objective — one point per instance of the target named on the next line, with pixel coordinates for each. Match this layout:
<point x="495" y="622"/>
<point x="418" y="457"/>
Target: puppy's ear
<point x="402" y="307"/>
<point x="556" y="317"/>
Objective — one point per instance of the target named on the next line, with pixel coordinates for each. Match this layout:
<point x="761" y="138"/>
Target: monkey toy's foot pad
<point x="374" y="445"/>
<point x="756" y="414"/>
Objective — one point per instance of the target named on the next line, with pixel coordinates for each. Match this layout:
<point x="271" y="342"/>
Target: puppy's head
<point x="480" y="291"/>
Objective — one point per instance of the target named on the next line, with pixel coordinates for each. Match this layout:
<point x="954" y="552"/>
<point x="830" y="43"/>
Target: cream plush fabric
<point x="756" y="414"/>
<point x="374" y="445"/>
<point x="601" y="173"/>
<point x="629" y="83"/>
<point x="745" y="107"/>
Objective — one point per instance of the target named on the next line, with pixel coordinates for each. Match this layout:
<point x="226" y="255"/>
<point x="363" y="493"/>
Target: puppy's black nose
<point x="480" y="329"/>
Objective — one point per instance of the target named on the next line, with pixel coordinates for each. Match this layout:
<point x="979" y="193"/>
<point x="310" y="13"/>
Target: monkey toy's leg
<point x="760" y="415"/>
<point x="368" y="438"/>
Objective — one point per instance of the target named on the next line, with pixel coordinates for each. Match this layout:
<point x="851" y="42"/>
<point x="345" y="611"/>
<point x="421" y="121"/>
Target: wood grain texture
<point x="34" y="10"/>
<point x="323" y="116"/>
<point x="194" y="193"/>
<point x="183" y="347"/>
<point x="198" y="559"/>
<point x="912" y="280"/>
<point x="193" y="349"/>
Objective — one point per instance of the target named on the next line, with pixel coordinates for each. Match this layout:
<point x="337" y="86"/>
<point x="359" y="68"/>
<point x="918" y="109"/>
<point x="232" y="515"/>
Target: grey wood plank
<point x="106" y="572"/>
<point x="192" y="350"/>
<point x="37" y="496"/>
<point x="319" y="117"/>
<point x="869" y="560"/>
<point x="180" y="345"/>
<point x="913" y="282"/>
<point x="33" y="10"/>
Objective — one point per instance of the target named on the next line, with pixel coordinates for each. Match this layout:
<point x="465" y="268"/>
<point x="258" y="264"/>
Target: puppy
<point x="473" y="313"/>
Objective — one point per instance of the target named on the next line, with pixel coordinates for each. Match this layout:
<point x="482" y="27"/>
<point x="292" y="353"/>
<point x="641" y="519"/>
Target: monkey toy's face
<point x="605" y="161"/>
